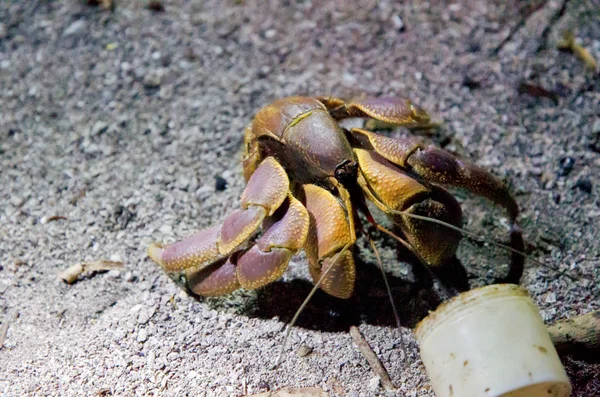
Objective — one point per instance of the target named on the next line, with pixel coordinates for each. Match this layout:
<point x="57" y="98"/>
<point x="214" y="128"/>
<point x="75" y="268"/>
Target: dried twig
<point x="4" y="329"/>
<point x="526" y="12"/>
<point x="577" y="335"/>
<point x="371" y="357"/>
<point x="71" y="274"/>
<point x="538" y="91"/>
<point x="543" y="43"/>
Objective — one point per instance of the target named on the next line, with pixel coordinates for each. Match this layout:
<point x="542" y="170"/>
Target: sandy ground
<point x="113" y="127"/>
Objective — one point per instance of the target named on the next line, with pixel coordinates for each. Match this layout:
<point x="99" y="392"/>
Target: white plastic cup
<point x="490" y="342"/>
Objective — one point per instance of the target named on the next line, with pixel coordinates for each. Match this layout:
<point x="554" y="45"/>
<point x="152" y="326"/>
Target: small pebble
<point x="262" y="385"/>
<point x="142" y="335"/>
<point x="204" y="192"/>
<point x="129" y="277"/>
<point x="152" y="80"/>
<point x="566" y="166"/>
<point x="75" y="27"/>
<point x="584" y="184"/>
<point x="551" y="297"/>
<point x="99" y="127"/>
<point x="398" y="23"/>
<point x="304" y="351"/>
<point x="348" y="79"/>
<point x="374" y="383"/>
<point x="165" y="229"/>
<point x="220" y="183"/>
<point x="556" y="198"/>
<point x="192" y="374"/>
<point x="470" y="83"/>
<point x="156" y="6"/>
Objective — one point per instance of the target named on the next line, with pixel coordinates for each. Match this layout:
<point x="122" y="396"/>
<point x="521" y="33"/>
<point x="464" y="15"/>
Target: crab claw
<point x="217" y="279"/>
<point x="264" y="262"/>
<point x="221" y="259"/>
<point x="440" y="166"/>
<point x="266" y="191"/>
<point x="393" y="189"/>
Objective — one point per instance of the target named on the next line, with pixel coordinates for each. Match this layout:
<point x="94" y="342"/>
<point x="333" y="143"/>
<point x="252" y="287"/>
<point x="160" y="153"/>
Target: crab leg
<point x="390" y="188"/>
<point x="439" y="166"/>
<point x="264" y="262"/>
<point x="329" y="232"/>
<point x="267" y="260"/>
<point x="266" y="191"/>
<point x="391" y="110"/>
<point x="220" y="278"/>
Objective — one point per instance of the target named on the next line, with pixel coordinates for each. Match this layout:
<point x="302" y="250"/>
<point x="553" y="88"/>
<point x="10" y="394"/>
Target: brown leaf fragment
<point x="48" y="219"/>
<point x="71" y="274"/>
<point x="537" y="91"/>
<point x="293" y="392"/>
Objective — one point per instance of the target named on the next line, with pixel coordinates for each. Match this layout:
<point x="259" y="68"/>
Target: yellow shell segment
<point x="394" y="188"/>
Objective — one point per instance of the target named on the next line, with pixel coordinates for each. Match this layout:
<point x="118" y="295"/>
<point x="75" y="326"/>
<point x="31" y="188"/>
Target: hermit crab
<point x="307" y="181"/>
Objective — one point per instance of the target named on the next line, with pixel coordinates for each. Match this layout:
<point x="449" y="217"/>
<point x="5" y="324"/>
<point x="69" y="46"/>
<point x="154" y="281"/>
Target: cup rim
<point x="464" y="302"/>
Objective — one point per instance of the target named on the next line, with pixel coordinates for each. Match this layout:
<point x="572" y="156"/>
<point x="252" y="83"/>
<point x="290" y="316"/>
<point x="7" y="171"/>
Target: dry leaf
<point x="568" y="43"/>
<point x="71" y="274"/>
<point x="100" y="265"/>
<point x="293" y="392"/>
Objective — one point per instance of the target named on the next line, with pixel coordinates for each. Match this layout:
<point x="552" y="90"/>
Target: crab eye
<point x="346" y="171"/>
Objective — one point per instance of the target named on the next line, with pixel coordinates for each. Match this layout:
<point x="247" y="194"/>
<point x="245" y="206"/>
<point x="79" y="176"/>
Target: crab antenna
<point x="479" y="238"/>
<point x="303" y="306"/>
<point x="389" y="291"/>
